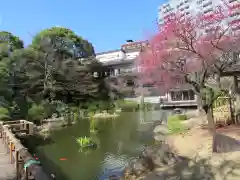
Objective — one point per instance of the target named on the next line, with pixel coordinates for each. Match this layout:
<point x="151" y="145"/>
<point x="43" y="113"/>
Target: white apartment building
<point x="121" y="60"/>
<point x="204" y="7"/>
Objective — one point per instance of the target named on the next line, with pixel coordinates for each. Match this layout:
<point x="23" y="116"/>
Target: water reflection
<point x="113" y="165"/>
<point x="150" y="116"/>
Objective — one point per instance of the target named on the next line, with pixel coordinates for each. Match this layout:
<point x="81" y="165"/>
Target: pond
<point x="119" y="140"/>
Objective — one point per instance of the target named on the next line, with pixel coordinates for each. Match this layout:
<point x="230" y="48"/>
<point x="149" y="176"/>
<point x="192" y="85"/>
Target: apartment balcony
<point x="234" y="5"/>
<point x="234" y="14"/>
<point x="166" y="6"/>
<point x="202" y="1"/>
<point x="234" y="22"/>
<point x="168" y="10"/>
<point x="207" y="10"/>
<point x="120" y="72"/>
<point x="207" y="4"/>
<point x="231" y="1"/>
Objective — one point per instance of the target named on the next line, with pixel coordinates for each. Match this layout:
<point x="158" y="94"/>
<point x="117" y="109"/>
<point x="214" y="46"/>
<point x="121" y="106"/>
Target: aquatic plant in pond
<point x="86" y="142"/>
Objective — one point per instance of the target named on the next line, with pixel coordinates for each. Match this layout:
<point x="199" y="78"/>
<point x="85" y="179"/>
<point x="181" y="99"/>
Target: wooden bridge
<point x="16" y="163"/>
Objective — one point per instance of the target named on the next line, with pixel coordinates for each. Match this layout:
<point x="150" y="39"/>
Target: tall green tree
<point x="9" y="43"/>
<point x="62" y="67"/>
<point x="13" y="41"/>
<point x="58" y="65"/>
<point x="64" y="41"/>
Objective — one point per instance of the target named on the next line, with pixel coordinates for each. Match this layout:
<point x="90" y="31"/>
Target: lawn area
<point x="174" y="124"/>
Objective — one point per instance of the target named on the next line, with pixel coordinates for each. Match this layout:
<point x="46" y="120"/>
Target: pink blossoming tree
<point x="192" y="49"/>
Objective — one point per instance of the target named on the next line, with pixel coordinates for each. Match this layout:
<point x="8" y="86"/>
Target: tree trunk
<point x="237" y="95"/>
<point x="218" y="80"/>
<point x="199" y="105"/>
<point x="142" y="102"/>
<point x="211" y="126"/>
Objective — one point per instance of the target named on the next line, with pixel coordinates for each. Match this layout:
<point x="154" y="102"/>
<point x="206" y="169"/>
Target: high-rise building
<point x="204" y="7"/>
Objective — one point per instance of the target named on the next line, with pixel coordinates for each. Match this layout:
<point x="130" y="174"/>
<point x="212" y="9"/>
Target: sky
<point x="106" y="24"/>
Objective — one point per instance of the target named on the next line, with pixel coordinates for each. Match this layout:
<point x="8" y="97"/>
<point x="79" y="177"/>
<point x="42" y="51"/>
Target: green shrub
<point x="49" y="108"/>
<point x="100" y="106"/>
<point x="36" y="113"/>
<point x="92" y="107"/>
<point x="4" y="114"/>
<point x="62" y="109"/>
<point x="174" y="124"/>
<point x="175" y="127"/>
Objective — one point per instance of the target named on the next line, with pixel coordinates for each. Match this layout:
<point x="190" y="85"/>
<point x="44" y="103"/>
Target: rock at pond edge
<point x="149" y="159"/>
<point x="161" y="129"/>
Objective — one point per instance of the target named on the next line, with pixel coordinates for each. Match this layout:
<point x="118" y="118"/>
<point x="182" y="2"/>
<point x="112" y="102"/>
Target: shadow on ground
<point x="200" y="169"/>
<point x="161" y="163"/>
<point x="226" y="144"/>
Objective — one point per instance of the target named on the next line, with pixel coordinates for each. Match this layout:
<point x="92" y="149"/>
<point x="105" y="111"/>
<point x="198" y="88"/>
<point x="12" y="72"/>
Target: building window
<point x="168" y="10"/>
<point x="235" y="6"/>
<point x="235" y="22"/>
<point x="166" y="6"/>
<point x="207" y="4"/>
<point x="130" y="83"/>
<point x="191" y="95"/>
<point x="148" y="85"/>
<point x="199" y="2"/>
<point x="234" y="14"/>
<point x="208" y="10"/>
<point x="182" y="95"/>
<point x="176" y="96"/>
<point x="186" y="95"/>
<point x="230" y="1"/>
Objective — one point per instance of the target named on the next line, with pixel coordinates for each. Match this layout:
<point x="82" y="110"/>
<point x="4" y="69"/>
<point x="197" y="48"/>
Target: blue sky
<point x="105" y="23"/>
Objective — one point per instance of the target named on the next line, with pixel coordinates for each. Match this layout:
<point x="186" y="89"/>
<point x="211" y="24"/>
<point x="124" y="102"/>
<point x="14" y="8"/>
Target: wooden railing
<point x="18" y="154"/>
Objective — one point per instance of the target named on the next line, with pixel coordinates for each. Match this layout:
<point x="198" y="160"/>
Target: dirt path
<point x="202" y="163"/>
<point x="199" y="142"/>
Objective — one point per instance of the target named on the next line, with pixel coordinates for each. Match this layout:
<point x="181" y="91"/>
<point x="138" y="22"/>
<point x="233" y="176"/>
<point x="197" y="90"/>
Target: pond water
<point x="119" y="140"/>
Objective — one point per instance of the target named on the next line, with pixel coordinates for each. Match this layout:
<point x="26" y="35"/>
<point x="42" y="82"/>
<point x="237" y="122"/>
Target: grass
<point x="174" y="124"/>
